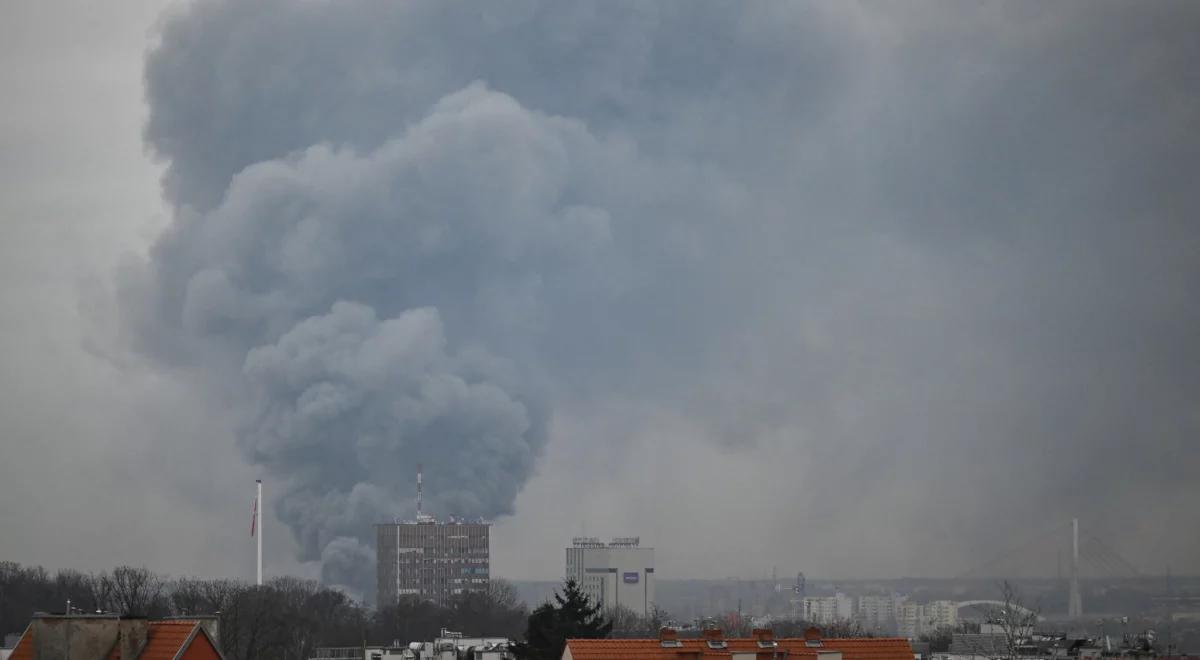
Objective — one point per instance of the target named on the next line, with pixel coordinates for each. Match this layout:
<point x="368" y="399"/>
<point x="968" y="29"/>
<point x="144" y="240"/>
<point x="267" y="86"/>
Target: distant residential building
<point x="878" y="612"/>
<point x="908" y="620"/>
<point x="914" y="620"/>
<point x="941" y="614"/>
<point x="827" y="609"/>
<point x="431" y="560"/>
<point x="615" y="574"/>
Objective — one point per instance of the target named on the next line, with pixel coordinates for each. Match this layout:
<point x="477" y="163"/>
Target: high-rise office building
<point x="431" y="560"/>
<point x="615" y="574"/>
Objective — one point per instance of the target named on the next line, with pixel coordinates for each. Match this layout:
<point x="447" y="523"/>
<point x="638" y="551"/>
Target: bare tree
<point x="843" y="629"/>
<point x="187" y="597"/>
<point x="939" y="638"/>
<point x="100" y="588"/>
<point x="129" y="590"/>
<point x="502" y="593"/>
<point x="1015" y="623"/>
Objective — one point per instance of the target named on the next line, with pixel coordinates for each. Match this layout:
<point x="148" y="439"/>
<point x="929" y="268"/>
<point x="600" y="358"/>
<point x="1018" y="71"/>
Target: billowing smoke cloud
<point x="952" y="244"/>
<point x="312" y="271"/>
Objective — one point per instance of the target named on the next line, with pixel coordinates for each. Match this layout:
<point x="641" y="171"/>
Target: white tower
<point x="1074" y="600"/>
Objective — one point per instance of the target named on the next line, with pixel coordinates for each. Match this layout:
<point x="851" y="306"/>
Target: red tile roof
<point x="873" y="648"/>
<point x="165" y="641"/>
<point x="166" y="638"/>
<point x="652" y="649"/>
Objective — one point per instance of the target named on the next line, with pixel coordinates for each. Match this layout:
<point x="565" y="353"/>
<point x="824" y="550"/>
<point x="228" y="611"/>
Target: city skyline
<point x="833" y="288"/>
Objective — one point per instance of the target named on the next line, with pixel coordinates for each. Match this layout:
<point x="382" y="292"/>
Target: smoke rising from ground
<point x="946" y="259"/>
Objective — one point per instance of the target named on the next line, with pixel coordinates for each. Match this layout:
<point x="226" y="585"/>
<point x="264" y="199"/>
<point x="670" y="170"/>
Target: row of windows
<point x="437" y="561"/>
<point x="441" y="580"/>
<point x="441" y="550"/>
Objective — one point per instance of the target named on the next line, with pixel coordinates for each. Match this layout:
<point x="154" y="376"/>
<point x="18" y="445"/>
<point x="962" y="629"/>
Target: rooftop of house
<point x="165" y="640"/>
<point x="713" y="645"/>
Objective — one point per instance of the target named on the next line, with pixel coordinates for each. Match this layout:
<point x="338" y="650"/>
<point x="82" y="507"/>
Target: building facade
<point x="942" y="614"/>
<point x="827" y="609"/>
<point x="615" y="574"/>
<point x="878" y="613"/>
<point x="914" y="620"/>
<point x="431" y="560"/>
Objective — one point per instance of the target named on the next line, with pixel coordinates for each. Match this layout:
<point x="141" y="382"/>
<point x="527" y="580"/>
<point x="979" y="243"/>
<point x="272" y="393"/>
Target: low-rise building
<point x="448" y="646"/>
<point x="763" y="645"/>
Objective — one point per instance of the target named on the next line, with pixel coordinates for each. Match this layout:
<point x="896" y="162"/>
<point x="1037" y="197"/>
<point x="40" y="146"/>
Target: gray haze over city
<point x="859" y="289"/>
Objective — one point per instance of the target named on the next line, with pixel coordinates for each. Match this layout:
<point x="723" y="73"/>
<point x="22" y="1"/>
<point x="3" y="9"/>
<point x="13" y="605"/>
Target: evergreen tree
<point x="550" y="626"/>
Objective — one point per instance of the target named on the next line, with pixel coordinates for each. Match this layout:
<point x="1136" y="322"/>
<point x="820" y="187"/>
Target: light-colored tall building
<point x="879" y="612"/>
<point x="913" y="620"/>
<point x="827" y="609"/>
<point x="431" y="560"/>
<point x="908" y="620"/>
<point x="942" y="614"/>
<point x="615" y="574"/>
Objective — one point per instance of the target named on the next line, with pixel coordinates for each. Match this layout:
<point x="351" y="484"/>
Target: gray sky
<point x="829" y="287"/>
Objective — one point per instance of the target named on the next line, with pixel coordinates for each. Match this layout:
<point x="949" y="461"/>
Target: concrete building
<point x="825" y="610"/>
<point x="431" y="560"/>
<point x="617" y="574"/>
<point x="878" y="612"/>
<point x="942" y="614"/>
<point x="913" y="620"/>
<point x="908" y="620"/>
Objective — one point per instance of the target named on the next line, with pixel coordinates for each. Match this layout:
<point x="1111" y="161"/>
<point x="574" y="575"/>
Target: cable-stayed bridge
<point x="1073" y="553"/>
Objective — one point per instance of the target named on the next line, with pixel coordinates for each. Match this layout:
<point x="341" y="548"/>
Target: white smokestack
<point x="1074" y="598"/>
